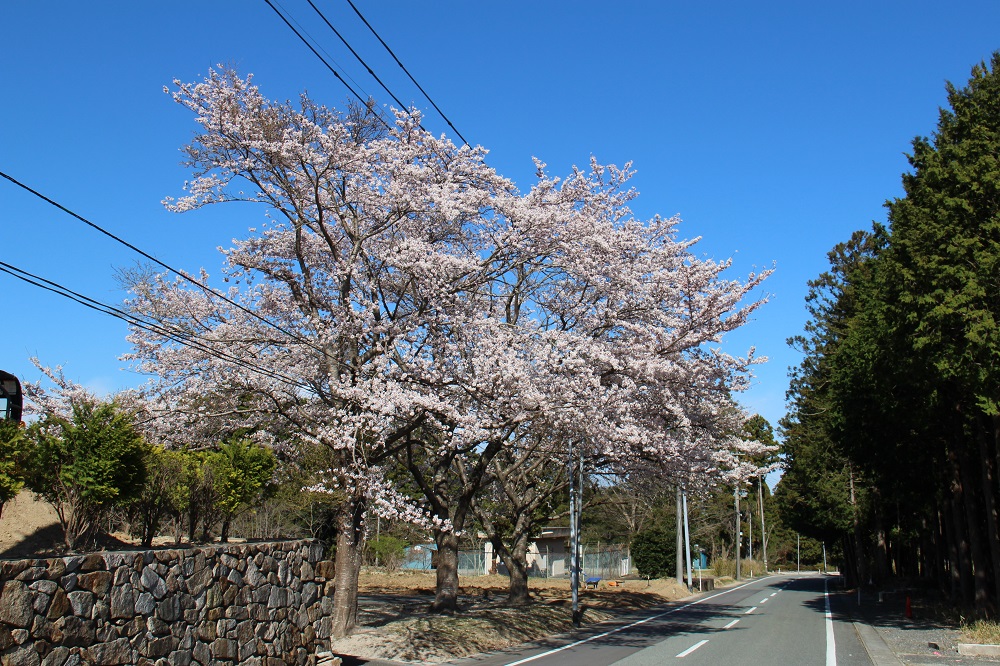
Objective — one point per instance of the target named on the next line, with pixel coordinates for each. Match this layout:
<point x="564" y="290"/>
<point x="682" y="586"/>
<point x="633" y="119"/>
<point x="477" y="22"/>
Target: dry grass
<point x="396" y="624"/>
<point x="984" y="632"/>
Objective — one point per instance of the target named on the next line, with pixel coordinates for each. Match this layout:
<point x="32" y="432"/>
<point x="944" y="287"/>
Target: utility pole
<point x="680" y="540"/>
<point x="763" y="529"/>
<point x="738" y="531"/>
<point x="687" y="538"/>
<point x="824" y="557"/>
<point x="579" y="527"/>
<point x="574" y="538"/>
<point x="798" y="552"/>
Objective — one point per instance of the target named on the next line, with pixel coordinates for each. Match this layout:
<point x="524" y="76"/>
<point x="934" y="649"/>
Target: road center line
<point x="731" y="624"/>
<point x="764" y="600"/>
<point x="749" y="610"/>
<point x="773" y="593"/>
<point x="831" y="645"/>
<point x="692" y="649"/>
<point x="629" y="626"/>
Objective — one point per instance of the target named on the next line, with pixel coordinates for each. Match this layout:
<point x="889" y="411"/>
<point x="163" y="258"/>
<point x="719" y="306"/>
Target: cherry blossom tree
<point x="338" y="327"/>
<point x="605" y="327"/>
<point x="402" y="301"/>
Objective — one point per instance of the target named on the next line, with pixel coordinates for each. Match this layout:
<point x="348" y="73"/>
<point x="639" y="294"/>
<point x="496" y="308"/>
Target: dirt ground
<point x="28" y="528"/>
<point x="396" y="625"/>
<point x="393" y="613"/>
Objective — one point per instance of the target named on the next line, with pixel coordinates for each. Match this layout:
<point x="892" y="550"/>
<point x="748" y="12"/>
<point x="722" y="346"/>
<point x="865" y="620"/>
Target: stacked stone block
<point x="261" y="604"/>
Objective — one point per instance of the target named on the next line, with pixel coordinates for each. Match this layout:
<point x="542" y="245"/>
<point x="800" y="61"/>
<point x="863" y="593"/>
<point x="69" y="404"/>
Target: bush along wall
<point x="263" y="604"/>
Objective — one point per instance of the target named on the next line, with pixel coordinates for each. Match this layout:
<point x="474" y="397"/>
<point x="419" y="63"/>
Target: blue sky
<point x="774" y="130"/>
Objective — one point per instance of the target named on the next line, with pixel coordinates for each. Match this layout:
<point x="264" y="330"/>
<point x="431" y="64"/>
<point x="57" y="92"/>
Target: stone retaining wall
<point x="261" y="604"/>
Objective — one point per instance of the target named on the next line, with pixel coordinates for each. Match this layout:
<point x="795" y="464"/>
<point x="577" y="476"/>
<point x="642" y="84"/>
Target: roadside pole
<point x="739" y="534"/>
<point x="574" y="538"/>
<point x="679" y="568"/>
<point x="687" y="538"/>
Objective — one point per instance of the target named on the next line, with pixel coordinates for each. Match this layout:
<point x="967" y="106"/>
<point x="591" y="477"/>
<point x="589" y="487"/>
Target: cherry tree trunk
<point x="446" y="595"/>
<point x="350" y="533"/>
<point x="517" y="568"/>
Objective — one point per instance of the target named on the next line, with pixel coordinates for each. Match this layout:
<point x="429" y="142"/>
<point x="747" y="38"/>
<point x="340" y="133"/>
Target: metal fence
<point x="472" y="562"/>
<point x="602" y="560"/>
<point x="605" y="561"/>
<point x="421" y="558"/>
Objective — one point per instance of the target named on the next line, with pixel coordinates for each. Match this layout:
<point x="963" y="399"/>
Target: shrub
<point x="241" y="473"/>
<point x="85" y="465"/>
<point x="13" y="445"/>
<point x="654" y="552"/>
<point x="162" y="495"/>
<point x="387" y="551"/>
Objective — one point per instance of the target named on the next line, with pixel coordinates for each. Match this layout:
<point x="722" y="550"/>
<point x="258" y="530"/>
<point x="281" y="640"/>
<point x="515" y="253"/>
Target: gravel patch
<point x="922" y="640"/>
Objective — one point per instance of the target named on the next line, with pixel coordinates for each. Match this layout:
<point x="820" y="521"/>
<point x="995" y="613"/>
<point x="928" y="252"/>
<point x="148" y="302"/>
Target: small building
<point x="548" y="555"/>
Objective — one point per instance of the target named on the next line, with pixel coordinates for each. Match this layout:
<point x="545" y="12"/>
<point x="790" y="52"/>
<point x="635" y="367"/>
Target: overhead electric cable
<point x="152" y="326"/>
<point x="419" y="87"/>
<point x="323" y="60"/>
<point x="173" y="270"/>
<point x="355" y="53"/>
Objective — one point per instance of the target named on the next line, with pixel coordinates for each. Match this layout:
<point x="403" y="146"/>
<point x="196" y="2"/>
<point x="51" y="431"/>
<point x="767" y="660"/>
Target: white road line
<point x="692" y="649"/>
<point x="629" y="626"/>
<point x="773" y="593"/>
<point x="764" y="600"/>
<point x="731" y="624"/>
<point x="749" y="610"/>
<point x="831" y="645"/>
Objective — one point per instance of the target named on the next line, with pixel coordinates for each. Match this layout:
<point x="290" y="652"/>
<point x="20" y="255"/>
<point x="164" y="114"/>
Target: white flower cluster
<point x="406" y="301"/>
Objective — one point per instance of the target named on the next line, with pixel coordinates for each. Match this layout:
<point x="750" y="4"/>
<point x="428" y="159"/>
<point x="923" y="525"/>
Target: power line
<point x="208" y="290"/>
<point x="355" y="53"/>
<point x="364" y="64"/>
<point x="179" y="337"/>
<point x="419" y="87"/>
<point x="315" y="41"/>
<point x="323" y="60"/>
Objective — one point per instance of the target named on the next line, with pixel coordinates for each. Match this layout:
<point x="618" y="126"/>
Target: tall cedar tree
<point x="900" y="382"/>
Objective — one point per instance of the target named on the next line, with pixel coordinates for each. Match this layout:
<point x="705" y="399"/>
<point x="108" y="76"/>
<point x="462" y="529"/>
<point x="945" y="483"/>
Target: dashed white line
<point x="764" y="600"/>
<point x="749" y="610"/>
<point x="773" y="593"/>
<point x="692" y="649"/>
<point x="629" y="626"/>
<point x="731" y="624"/>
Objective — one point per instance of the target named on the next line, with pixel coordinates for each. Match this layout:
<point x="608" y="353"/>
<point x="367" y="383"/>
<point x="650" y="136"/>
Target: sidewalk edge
<point x="878" y="650"/>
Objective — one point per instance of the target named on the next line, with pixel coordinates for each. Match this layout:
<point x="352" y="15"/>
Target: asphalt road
<point x="782" y="619"/>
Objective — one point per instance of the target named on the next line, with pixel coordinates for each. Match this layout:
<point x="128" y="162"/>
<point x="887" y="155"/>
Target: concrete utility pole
<point x="738" y="531"/>
<point x="579" y="528"/>
<point x="687" y="539"/>
<point x="680" y="540"/>
<point x="763" y="529"/>
<point x="574" y="538"/>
